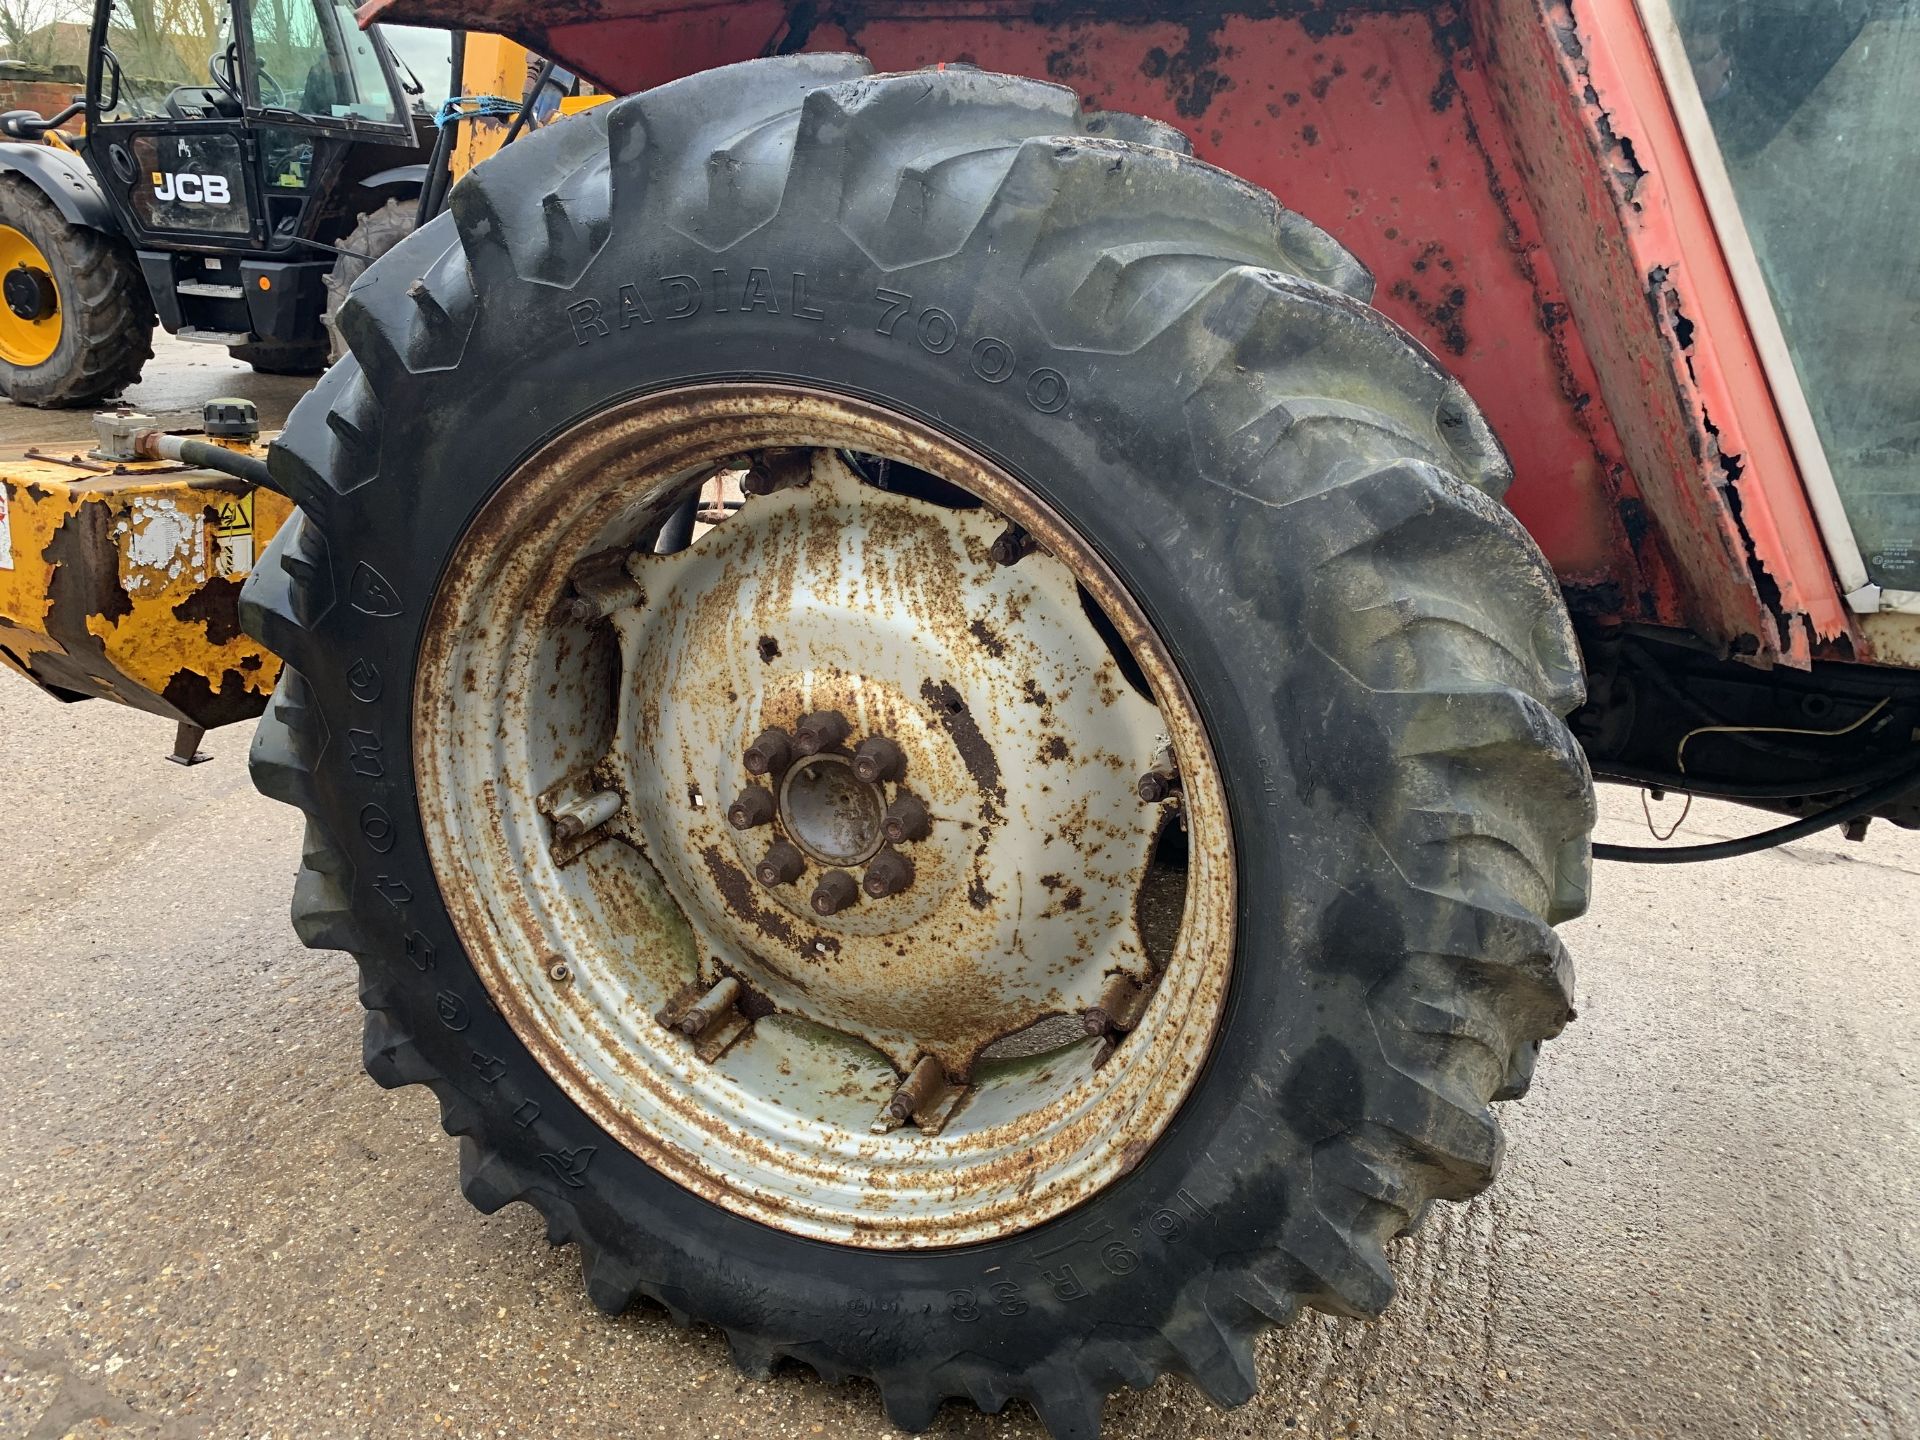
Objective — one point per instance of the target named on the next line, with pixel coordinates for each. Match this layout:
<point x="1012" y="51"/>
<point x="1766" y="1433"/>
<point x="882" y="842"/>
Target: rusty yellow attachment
<point x="121" y="580"/>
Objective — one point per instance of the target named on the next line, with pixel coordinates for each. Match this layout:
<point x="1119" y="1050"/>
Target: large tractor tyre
<point x="377" y="233"/>
<point x="1105" y="556"/>
<point x="76" y="322"/>
<point x="270" y="357"/>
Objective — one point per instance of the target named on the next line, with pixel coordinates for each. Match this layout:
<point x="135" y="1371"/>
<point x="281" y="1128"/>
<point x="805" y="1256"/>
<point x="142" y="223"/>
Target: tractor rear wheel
<point x="1049" y="884"/>
<point x="76" y="322"/>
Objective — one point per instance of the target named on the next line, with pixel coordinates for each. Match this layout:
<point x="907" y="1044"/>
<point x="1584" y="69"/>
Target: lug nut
<point x="1011" y="546"/>
<point x="769" y="753"/>
<point x="753" y="807"/>
<point x="888" y="873"/>
<point x="878" y="758"/>
<point x="781" y="865"/>
<point x="1158" y="783"/>
<point x="906" y="819"/>
<point x="835" y="892"/>
<point x="819" y="731"/>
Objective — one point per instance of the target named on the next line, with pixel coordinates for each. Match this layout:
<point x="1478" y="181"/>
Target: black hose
<point x="249" y="468"/>
<point x="540" y="79"/>
<point x="1861" y="804"/>
<point x="433" y="191"/>
<point x="676" y="531"/>
<point x="1683" y="784"/>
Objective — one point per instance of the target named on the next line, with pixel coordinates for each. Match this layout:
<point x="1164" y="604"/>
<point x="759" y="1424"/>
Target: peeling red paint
<point x="1507" y="141"/>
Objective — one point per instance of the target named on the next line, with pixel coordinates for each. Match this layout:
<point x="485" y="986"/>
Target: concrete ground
<point x="211" y="1223"/>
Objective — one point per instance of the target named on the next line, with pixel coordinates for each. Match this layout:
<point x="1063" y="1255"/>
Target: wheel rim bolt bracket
<point x="575" y="818"/>
<point x="1160" y="783"/>
<point x="1119" y="1007"/>
<point x="704" y="1011"/>
<point x="751" y="808"/>
<point x="595" y="598"/>
<point x="1011" y="546"/>
<point x="775" y="470"/>
<point x="835" y="891"/>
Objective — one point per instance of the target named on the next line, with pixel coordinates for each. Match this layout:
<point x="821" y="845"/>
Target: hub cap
<point x="831" y="821"/>
<point x="30" y="323"/>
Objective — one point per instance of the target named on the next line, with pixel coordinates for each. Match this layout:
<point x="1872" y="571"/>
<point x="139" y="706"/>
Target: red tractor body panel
<point x="1513" y="175"/>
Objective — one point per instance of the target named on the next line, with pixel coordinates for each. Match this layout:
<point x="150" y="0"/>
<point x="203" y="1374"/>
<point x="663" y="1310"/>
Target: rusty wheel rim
<point x="945" y="1032"/>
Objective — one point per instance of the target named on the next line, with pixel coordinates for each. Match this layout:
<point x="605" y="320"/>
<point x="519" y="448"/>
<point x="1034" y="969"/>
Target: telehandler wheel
<point x="377" y="233"/>
<point x="76" y="323"/>
<point x="1047" y="885"/>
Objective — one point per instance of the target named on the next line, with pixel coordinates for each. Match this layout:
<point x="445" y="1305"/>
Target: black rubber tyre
<point x="106" y="333"/>
<point x="377" y="233"/>
<point x="270" y="358"/>
<point x="1302" y="501"/>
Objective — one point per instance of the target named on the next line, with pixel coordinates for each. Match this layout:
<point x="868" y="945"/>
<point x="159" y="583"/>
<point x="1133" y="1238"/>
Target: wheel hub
<point x="29" y="292"/>
<point x="832" y="818"/>
<point x="830" y="813"/>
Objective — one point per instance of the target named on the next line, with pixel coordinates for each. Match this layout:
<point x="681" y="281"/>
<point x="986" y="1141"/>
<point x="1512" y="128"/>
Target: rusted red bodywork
<point x="1512" y="173"/>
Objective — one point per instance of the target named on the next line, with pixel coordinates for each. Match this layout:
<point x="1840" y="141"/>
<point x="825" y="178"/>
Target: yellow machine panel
<point x="122" y="580"/>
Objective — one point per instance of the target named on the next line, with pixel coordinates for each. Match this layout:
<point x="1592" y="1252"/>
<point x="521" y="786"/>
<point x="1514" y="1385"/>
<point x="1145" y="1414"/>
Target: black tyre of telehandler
<point x="96" y="305"/>
<point x="270" y="358"/>
<point x="377" y="233"/>
<point x="1298" y="497"/>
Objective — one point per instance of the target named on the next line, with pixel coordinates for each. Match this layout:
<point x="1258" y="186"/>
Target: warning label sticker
<point x="233" y="532"/>
<point x="6" y="533"/>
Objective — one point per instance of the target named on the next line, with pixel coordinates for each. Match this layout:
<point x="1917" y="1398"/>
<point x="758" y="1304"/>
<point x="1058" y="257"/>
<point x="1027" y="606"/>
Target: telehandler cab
<point x="952" y="739"/>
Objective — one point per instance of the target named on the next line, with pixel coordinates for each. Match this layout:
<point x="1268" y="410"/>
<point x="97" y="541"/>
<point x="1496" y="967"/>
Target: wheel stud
<point x="781" y="865"/>
<point x="888" y="873"/>
<point x="769" y="753"/>
<point x="819" y="731"/>
<point x="834" y="893"/>
<point x="877" y="758"/>
<point x="1159" y="783"/>
<point x="906" y="819"/>
<point x="752" y="808"/>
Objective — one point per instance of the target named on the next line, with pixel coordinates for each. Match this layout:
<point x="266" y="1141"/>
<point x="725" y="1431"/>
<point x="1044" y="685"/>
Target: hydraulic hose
<point x="1863" y="803"/>
<point x="159" y="445"/>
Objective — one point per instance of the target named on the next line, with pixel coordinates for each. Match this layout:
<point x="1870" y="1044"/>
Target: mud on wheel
<point x="1042" y="888"/>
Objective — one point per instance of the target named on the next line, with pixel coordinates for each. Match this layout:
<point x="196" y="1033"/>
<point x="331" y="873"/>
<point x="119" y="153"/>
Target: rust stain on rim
<point x="746" y="1131"/>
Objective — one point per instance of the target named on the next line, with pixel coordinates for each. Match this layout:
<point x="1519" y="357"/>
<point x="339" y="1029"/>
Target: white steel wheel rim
<point x="522" y="707"/>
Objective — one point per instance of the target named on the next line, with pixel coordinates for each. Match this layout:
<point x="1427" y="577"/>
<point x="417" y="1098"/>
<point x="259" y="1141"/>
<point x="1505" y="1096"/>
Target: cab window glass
<point x="1813" y="103"/>
<point x="310" y="57"/>
<point x="159" y="48"/>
